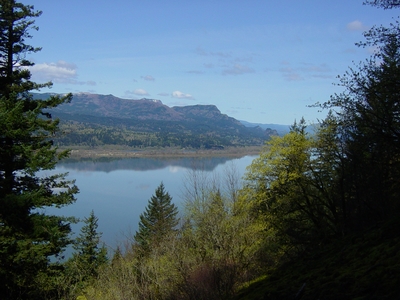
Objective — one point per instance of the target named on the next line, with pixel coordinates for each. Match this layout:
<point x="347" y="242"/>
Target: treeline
<point x="75" y="133"/>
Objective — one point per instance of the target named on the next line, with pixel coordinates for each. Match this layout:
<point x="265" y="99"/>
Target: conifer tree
<point x="89" y="255"/>
<point x="28" y="236"/>
<point x="158" y="219"/>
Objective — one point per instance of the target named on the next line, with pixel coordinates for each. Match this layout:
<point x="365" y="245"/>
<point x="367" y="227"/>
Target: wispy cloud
<point x="201" y="51"/>
<point x="290" y="74"/>
<point x="220" y="54"/>
<point x="237" y="69"/>
<point x="180" y="95"/>
<point x="195" y="72"/>
<point x="227" y="63"/>
<point x="356" y="26"/>
<point x="163" y="94"/>
<point x="148" y="78"/>
<point x="304" y="71"/>
<point x="59" y="72"/>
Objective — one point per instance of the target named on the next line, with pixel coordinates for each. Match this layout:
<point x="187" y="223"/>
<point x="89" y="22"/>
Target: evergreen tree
<point x="386" y="4"/>
<point x="369" y="121"/>
<point x="28" y="237"/>
<point x="369" y="129"/>
<point x="88" y="256"/>
<point x="158" y="219"/>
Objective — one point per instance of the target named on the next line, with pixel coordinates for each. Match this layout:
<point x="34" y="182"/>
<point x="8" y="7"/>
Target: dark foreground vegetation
<point x="317" y="216"/>
<point x="365" y="265"/>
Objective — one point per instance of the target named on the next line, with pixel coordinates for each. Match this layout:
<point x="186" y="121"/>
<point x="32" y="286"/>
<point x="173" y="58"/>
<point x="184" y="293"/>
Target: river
<point x="118" y="190"/>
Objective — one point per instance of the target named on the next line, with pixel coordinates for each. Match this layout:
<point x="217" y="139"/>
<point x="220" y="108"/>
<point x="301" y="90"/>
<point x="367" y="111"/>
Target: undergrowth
<point x="361" y="266"/>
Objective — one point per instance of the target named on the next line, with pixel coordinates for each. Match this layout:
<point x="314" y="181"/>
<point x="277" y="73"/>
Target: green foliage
<point x="358" y="266"/>
<point x="28" y="237"/>
<point x="291" y="184"/>
<point x="220" y="241"/>
<point x="157" y="221"/>
<point x="89" y="256"/>
<point x="369" y="126"/>
<point x="352" y="164"/>
<point x="343" y="178"/>
<point x="88" y="259"/>
<point x="216" y="249"/>
<point x="386" y="4"/>
<point x="107" y="131"/>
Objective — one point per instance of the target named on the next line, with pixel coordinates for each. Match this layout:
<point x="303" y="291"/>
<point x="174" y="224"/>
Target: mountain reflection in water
<point x="144" y="164"/>
<point x="118" y="190"/>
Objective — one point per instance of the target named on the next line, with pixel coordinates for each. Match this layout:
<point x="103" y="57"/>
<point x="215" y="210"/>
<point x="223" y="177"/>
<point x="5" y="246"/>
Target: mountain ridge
<point x="190" y="126"/>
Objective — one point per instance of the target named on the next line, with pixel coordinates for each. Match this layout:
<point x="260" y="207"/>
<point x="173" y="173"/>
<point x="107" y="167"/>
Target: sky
<point x="262" y="61"/>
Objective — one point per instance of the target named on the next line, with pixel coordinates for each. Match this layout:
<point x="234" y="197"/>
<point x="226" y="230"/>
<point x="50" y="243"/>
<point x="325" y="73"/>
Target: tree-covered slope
<point x="360" y="266"/>
<point x="94" y="120"/>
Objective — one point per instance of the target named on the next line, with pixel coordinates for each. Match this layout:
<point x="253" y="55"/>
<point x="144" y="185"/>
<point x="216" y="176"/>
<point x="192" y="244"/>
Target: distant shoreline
<point x="109" y="152"/>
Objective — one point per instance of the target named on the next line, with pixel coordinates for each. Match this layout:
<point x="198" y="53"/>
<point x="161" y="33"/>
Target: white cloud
<point x="180" y="95"/>
<point x="237" y="69"/>
<point x="137" y="92"/>
<point x="356" y="26"/>
<point x="148" y="78"/>
<point x="59" y="72"/>
<point x="140" y="92"/>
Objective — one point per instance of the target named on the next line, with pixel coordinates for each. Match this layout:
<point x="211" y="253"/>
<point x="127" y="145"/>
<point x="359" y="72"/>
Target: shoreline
<point x="108" y="152"/>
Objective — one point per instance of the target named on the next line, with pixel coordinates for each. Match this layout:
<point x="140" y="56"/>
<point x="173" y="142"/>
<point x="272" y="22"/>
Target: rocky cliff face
<point x="143" y="109"/>
<point x="150" y="115"/>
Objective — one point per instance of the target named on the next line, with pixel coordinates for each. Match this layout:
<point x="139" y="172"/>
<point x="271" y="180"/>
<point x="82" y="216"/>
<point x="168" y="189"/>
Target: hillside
<point x="94" y="120"/>
<point x="360" y="266"/>
<point x="280" y="129"/>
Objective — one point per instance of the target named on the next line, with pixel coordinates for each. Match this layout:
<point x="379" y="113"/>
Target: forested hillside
<point x="96" y="120"/>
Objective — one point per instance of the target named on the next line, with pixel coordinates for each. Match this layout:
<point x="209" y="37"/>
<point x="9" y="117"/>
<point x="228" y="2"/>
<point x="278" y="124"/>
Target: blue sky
<point x="261" y="61"/>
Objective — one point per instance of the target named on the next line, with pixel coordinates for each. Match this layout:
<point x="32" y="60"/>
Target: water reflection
<point x="118" y="190"/>
<point x="144" y="164"/>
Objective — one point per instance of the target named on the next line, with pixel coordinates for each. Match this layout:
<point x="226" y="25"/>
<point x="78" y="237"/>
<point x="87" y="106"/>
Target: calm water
<point x="118" y="190"/>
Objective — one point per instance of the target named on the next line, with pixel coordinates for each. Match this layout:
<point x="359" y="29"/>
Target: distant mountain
<point x="149" y="122"/>
<point x="280" y="129"/>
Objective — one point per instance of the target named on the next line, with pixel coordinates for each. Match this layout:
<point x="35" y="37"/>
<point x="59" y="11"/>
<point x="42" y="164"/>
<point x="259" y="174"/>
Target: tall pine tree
<point x="28" y="236"/>
<point x="158" y="219"/>
<point x="89" y="256"/>
<point x="369" y="129"/>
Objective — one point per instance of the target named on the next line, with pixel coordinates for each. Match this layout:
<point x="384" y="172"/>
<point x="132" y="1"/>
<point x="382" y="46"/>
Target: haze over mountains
<point x="144" y="109"/>
<point x="149" y="116"/>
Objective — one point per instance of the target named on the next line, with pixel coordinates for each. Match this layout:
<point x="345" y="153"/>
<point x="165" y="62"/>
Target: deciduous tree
<point x="292" y="184"/>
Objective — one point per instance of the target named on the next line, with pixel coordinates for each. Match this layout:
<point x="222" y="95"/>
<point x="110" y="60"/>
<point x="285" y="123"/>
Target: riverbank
<point x="128" y="152"/>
